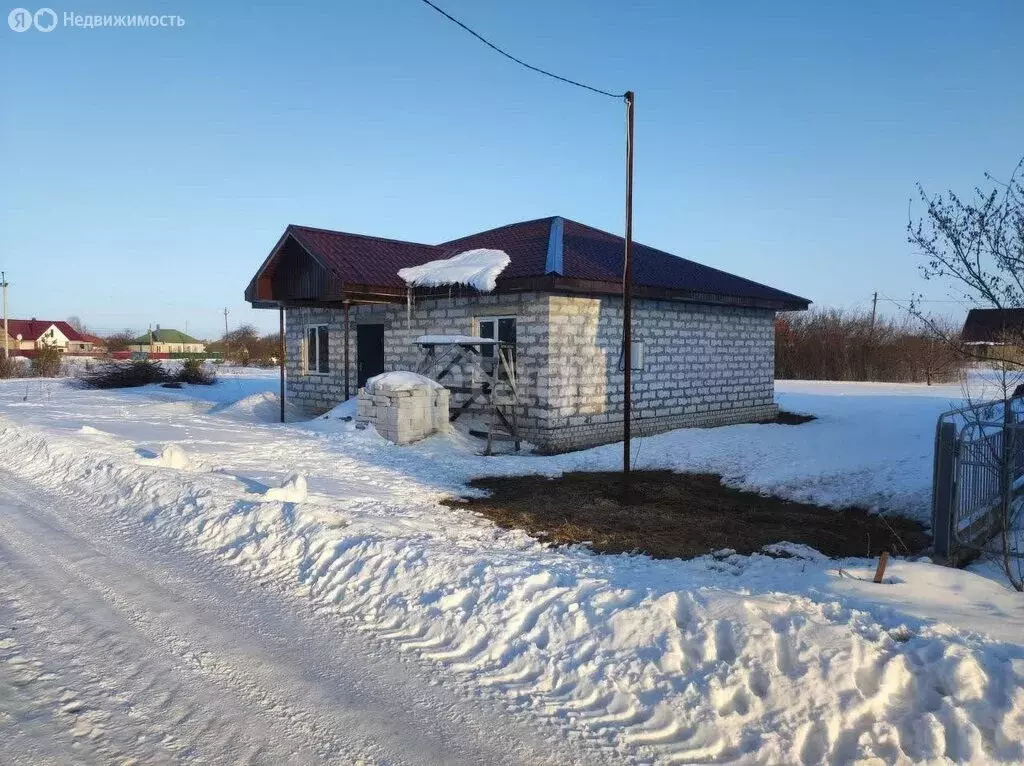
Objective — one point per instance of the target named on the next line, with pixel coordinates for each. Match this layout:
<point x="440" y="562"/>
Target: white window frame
<point x="305" y="349"/>
<point x="495" y="319"/>
<point x="498" y="370"/>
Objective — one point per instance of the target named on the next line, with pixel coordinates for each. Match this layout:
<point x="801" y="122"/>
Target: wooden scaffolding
<point x="484" y="385"/>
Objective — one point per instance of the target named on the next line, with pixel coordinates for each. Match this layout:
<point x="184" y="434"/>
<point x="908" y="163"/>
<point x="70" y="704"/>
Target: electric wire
<point x="519" y="61"/>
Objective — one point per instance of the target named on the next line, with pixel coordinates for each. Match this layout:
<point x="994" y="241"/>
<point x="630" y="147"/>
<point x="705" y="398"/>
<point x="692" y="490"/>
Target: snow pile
<point x="263" y="407"/>
<point x="344" y="411"/>
<point x="292" y="490"/>
<point x="400" y="380"/>
<point x="171" y="456"/>
<point x="477" y="268"/>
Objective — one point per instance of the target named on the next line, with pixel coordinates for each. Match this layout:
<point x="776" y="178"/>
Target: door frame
<point x="361" y="374"/>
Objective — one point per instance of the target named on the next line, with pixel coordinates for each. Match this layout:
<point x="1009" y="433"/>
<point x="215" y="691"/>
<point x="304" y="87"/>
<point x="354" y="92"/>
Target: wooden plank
<point x="880" y="571"/>
<point x="496" y="435"/>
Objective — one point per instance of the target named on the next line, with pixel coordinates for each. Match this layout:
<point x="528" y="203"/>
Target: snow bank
<point x="400" y="380"/>
<point x="292" y="490"/>
<point x="171" y="456"/>
<point x="724" y="658"/>
<point x="477" y="268"/>
<point x="263" y="407"/>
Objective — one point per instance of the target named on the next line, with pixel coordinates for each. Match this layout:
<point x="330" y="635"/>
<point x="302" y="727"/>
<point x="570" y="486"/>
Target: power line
<point x="508" y="55"/>
<point x="909" y="300"/>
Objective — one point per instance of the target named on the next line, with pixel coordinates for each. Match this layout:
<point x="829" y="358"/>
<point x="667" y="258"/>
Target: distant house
<point x="703" y="351"/>
<point x="166" y="341"/>
<point x="987" y="329"/>
<point x="27" y="335"/>
<point x="89" y="344"/>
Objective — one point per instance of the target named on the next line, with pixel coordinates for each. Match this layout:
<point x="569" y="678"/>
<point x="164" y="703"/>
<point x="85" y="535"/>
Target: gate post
<point x="943" y="485"/>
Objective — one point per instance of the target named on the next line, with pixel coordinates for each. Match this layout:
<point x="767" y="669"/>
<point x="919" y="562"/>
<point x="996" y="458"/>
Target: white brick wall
<point x="404" y="417"/>
<point x="704" y="365"/>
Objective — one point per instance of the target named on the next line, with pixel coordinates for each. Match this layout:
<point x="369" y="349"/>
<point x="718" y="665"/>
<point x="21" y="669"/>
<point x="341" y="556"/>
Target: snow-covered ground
<point x="582" y="658"/>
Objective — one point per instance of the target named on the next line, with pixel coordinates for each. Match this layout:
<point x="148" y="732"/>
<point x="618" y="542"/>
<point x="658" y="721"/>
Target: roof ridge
<point x="498" y="228"/>
<point x="361" y="236"/>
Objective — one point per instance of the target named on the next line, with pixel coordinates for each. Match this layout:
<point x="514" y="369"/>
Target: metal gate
<point x="978" y="477"/>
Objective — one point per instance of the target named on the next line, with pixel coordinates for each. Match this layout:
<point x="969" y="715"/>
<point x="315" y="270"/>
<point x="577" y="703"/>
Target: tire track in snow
<point x="189" y="671"/>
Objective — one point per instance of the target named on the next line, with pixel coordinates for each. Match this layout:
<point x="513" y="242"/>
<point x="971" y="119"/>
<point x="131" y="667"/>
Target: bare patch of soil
<point x="680" y="515"/>
<point x="787" y="418"/>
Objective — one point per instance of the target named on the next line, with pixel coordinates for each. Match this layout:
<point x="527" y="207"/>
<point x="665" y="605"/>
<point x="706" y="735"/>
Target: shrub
<point x="9" y="368"/>
<point x="125" y="375"/>
<point x="835" y="345"/>
<point x="245" y="346"/>
<point x="46" y="362"/>
<point x="145" y="372"/>
<point x="119" y="341"/>
<point x="194" y="371"/>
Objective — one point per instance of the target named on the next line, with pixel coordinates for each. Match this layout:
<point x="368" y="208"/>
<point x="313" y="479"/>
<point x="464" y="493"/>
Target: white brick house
<point x="704" y="339"/>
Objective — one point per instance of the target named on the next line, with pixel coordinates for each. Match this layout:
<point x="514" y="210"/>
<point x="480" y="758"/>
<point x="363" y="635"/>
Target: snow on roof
<point x="453" y="340"/>
<point x="401" y="380"/>
<point x="477" y="268"/>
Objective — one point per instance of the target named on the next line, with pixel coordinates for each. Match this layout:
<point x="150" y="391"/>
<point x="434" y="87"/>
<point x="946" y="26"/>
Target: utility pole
<point x="627" y="294"/>
<point x="874" y="309"/>
<point x="225" y="321"/>
<point x="3" y="284"/>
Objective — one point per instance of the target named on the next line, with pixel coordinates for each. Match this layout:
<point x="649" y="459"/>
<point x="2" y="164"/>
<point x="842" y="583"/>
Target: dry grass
<point x="672" y="515"/>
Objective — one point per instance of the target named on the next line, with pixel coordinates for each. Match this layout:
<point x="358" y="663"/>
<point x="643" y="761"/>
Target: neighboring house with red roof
<point x="90" y="344"/>
<point x="703" y="338"/>
<point x="30" y="334"/>
<point x="27" y="335"/>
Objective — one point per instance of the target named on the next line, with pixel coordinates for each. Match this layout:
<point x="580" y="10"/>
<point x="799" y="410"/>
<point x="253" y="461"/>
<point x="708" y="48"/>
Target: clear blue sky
<point x="147" y="172"/>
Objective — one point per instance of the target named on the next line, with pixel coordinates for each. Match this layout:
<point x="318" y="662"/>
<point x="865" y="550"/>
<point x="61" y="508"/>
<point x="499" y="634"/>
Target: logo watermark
<point x="47" y="20"/>
<point x="22" y="20"/>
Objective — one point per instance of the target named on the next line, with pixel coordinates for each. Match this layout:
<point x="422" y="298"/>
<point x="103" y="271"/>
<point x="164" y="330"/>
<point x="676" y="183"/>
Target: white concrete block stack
<point x="404" y="407"/>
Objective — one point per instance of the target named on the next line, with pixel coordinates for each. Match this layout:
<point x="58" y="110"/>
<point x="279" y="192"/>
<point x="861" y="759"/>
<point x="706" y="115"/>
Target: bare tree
<point x="119" y="341"/>
<point x="77" y="324"/>
<point x="977" y="244"/>
<point x="832" y="344"/>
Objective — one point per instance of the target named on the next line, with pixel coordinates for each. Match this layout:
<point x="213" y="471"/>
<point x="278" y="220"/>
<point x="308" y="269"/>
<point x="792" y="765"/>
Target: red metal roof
<point x="526" y="244"/>
<point x="32" y="329"/>
<point x="590" y="253"/>
<point x="360" y="259"/>
<point x="585" y="253"/>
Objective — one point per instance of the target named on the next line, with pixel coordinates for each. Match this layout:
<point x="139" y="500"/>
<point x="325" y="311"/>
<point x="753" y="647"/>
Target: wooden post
<point x="627" y="294"/>
<point x="281" y="353"/>
<point x="347" y="389"/>
<point x="882" y="561"/>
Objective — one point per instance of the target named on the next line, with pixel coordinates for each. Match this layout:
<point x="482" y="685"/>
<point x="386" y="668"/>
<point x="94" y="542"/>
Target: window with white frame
<point x="317" y="358"/>
<point x="503" y="329"/>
